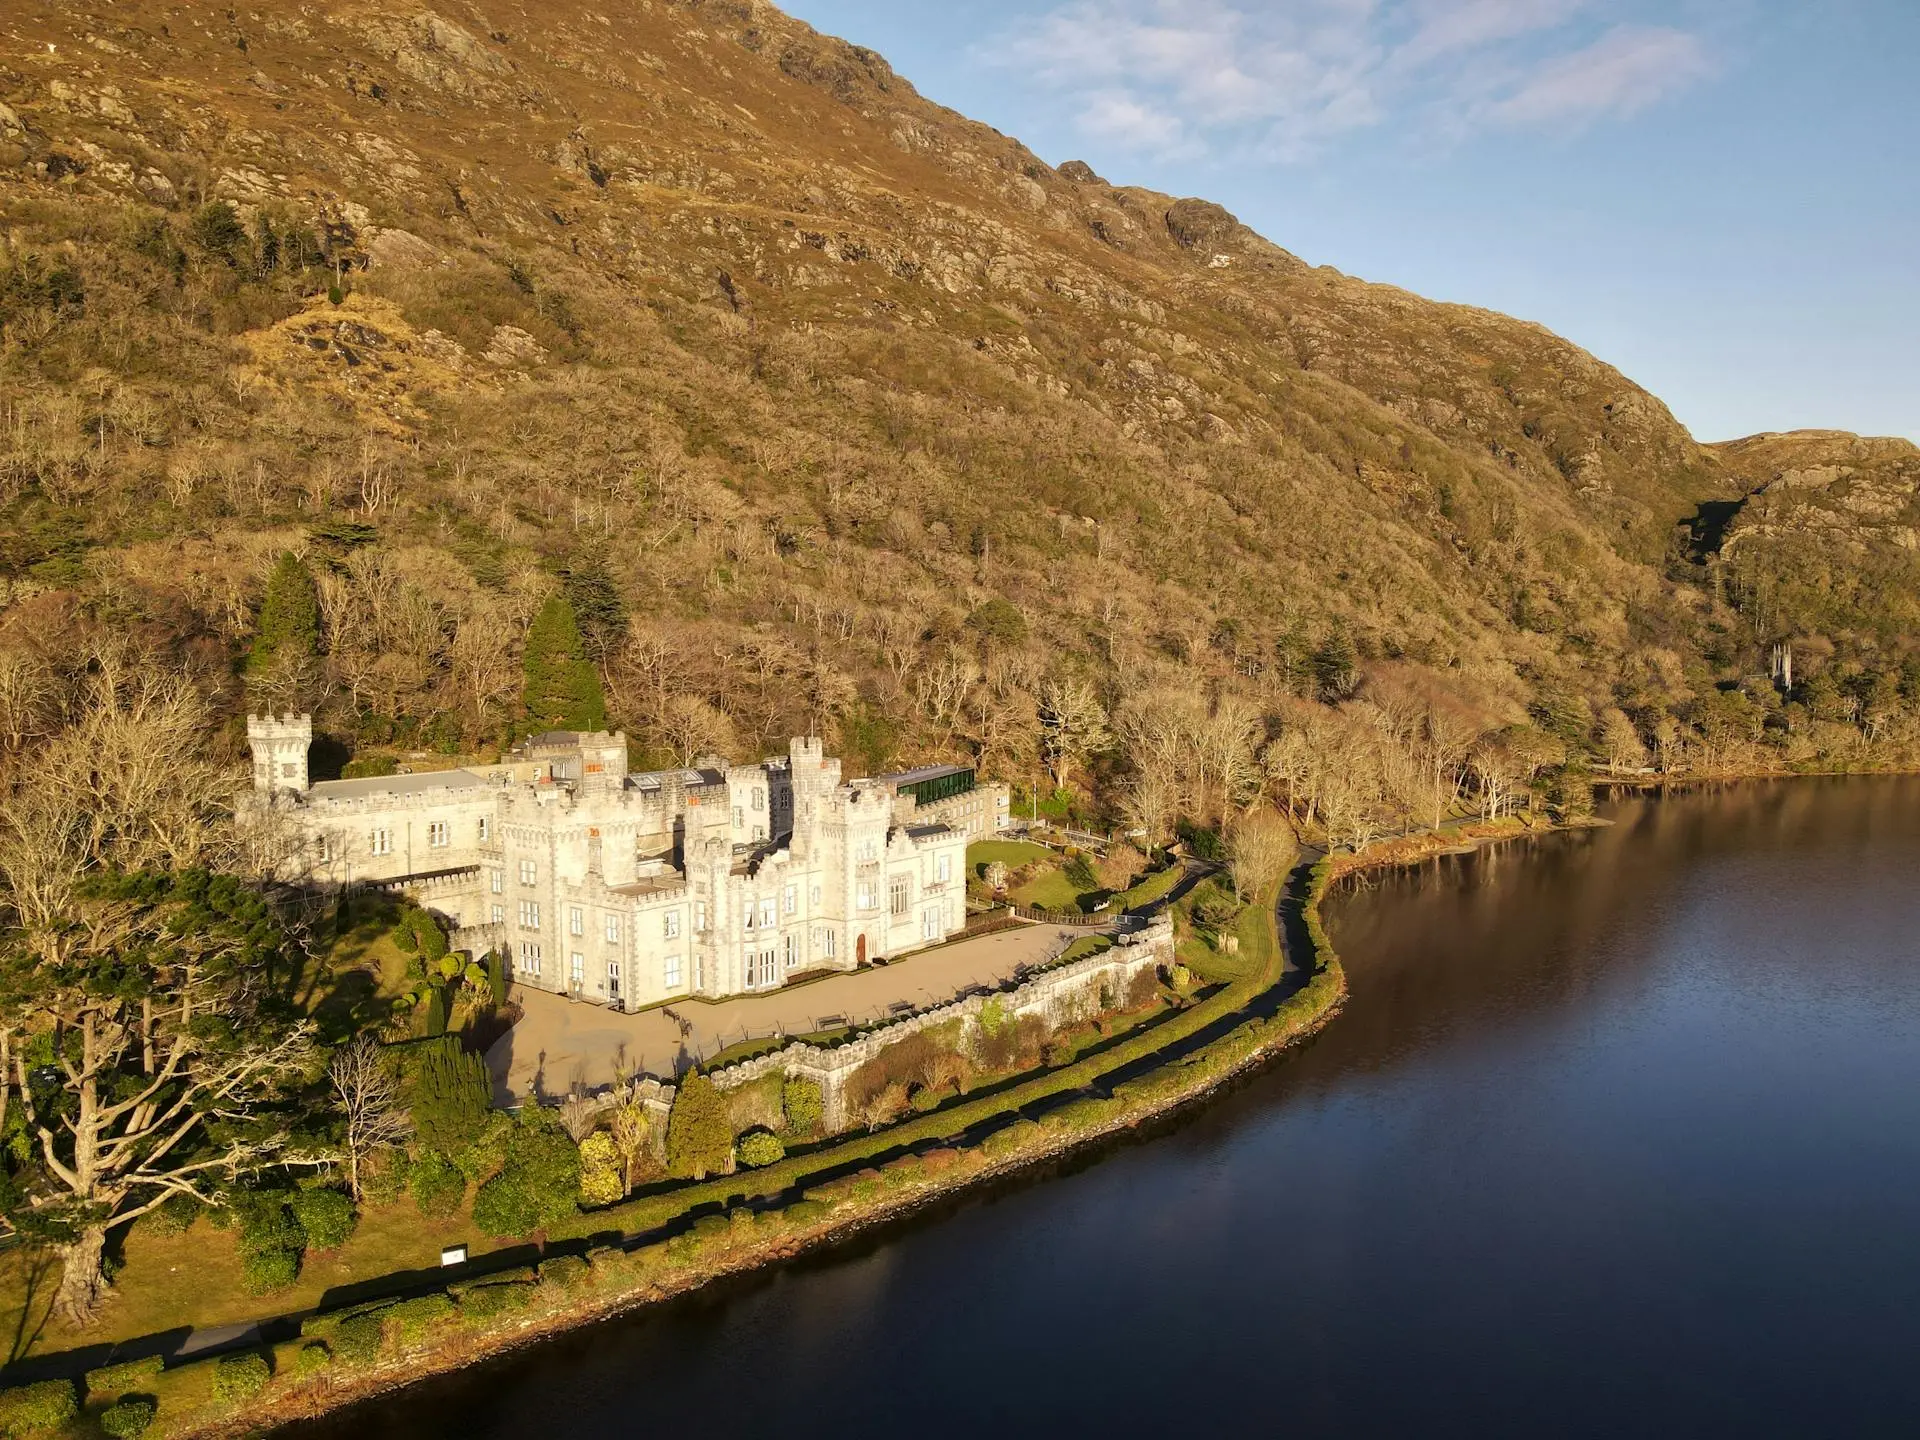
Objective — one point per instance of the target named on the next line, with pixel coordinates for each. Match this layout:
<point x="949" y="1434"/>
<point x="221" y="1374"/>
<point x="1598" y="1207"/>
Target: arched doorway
<point x="860" y="951"/>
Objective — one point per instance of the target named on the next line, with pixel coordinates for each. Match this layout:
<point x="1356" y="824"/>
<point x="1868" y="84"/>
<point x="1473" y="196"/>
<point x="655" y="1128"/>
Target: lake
<point x="1619" y="1134"/>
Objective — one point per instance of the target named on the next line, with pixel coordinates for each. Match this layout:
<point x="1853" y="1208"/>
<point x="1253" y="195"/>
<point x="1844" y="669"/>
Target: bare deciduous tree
<point x="366" y="1091"/>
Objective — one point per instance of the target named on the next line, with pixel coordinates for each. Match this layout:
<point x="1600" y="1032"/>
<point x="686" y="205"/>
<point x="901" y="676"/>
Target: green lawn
<point x="1010" y="853"/>
<point x="1153" y="887"/>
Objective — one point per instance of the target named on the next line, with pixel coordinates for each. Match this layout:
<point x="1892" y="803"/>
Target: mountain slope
<point x="809" y="368"/>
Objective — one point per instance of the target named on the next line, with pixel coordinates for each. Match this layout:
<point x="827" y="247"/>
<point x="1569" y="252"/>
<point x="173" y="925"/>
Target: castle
<point x="633" y="889"/>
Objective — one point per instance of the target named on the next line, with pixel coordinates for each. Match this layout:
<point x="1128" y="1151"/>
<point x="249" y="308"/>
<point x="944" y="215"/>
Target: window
<point x="930" y="923"/>
<point x="576" y="920"/>
<point x="869" y="850"/>
<point x="827" y="944"/>
<point x="816" y="894"/>
<point x="767" y="918"/>
<point x="793" y="951"/>
<point x="527" y="872"/>
<point x="864" y="895"/>
<point x="437" y="836"/>
<point x="613" y="929"/>
<point x="791" y="903"/>
<point x="382" y="843"/>
<point x="576" y="970"/>
<point x="326" y="849"/>
<point x="529" y="914"/>
<point x="897" y="896"/>
<point x="496" y="881"/>
<point x="749" y="921"/>
<point x="499" y="914"/>
<point x="670" y="925"/>
<point x="739" y="819"/>
<point x="486" y="828"/>
<point x="759" y="966"/>
<point x="699" y="914"/>
<point x="670" y="972"/>
<point x="291" y="771"/>
<point x="759" y="799"/>
<point x="943" y="868"/>
<point x="529" y="958"/>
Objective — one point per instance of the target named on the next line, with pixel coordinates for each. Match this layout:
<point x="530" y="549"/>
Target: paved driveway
<point x="560" y="1043"/>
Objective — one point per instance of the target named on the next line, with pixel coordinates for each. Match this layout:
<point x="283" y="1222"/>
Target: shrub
<point x="385" y="1181"/>
<point x="128" y="1418"/>
<point x="313" y="1357"/>
<point x="128" y="1375"/>
<point x="803" y="1105"/>
<point x="240" y="1377"/>
<point x="35" y="1409"/>
<point x="357" y="1340"/>
<point x="538" y="1184"/>
<point x="175" y="1215"/>
<point x="699" y="1135"/>
<point x="326" y="1215"/>
<point x="483" y="1302"/>
<point x="567" y="1272"/>
<point x="412" y="1321"/>
<point x="602" y="1170"/>
<point x="806" y="1212"/>
<point x="760" y="1148"/>
<point x="449" y="1094"/>
<point x="265" y="1271"/>
<point x="438" y="1187"/>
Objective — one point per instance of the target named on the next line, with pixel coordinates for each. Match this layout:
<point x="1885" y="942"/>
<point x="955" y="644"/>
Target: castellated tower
<point x="279" y="752"/>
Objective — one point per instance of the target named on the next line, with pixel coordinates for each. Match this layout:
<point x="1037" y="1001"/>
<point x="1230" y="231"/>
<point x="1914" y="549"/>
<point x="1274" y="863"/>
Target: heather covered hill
<point x="851" y="412"/>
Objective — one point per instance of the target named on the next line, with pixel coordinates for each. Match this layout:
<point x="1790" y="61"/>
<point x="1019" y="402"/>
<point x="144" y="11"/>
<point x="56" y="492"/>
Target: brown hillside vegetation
<point x="834" y="409"/>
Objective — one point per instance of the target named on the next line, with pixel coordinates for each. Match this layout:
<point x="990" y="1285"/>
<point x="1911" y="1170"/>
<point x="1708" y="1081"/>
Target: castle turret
<point x="280" y="752"/>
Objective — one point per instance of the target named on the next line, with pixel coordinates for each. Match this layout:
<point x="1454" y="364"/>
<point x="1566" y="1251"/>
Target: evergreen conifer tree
<point x="562" y="687"/>
<point x="289" y="631"/>
<point x="598" y="608"/>
<point x="699" y="1133"/>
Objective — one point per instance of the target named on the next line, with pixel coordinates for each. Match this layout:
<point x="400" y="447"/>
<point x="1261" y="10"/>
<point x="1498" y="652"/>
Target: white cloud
<point x="1285" y="78"/>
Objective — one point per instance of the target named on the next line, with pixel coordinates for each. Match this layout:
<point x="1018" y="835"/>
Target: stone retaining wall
<point x="1062" y="995"/>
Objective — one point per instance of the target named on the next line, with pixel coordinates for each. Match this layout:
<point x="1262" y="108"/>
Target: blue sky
<point x="1721" y="197"/>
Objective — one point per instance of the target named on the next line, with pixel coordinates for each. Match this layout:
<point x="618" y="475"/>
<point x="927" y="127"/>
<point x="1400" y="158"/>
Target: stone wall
<point x="1063" y="995"/>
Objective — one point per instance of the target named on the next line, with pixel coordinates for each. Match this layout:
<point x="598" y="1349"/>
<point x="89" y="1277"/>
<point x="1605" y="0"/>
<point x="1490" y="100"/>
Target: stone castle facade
<point x="632" y="889"/>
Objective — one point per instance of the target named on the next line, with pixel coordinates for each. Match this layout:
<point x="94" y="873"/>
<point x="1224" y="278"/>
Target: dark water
<point x="1620" y="1135"/>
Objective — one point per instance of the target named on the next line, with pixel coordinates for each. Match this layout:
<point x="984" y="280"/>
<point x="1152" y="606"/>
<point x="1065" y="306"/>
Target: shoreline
<point x="1298" y="993"/>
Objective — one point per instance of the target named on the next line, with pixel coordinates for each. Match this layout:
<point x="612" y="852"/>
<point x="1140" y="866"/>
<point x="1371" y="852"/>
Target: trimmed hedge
<point x="128" y="1375"/>
<point x="127" y="1419"/>
<point x="485" y="1302"/>
<point x="568" y="1272"/>
<point x="240" y="1377"/>
<point x="412" y="1321"/>
<point x="358" y="1339"/>
<point x="37" y="1409"/>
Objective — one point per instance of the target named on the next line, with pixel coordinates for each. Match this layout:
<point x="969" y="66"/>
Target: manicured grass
<point x="193" y="1278"/>
<point x="1052" y="890"/>
<point x="1154" y="887"/>
<point x="1010" y="853"/>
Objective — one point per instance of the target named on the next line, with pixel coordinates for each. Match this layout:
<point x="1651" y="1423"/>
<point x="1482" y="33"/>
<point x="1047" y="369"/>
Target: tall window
<point x="897" y="896"/>
<point x="576" y="920"/>
<point x="828" y="941"/>
<point x="670" y="925"/>
<point x="486" y="828"/>
<point x="699" y="914"/>
<point x="759" y="799"/>
<point x="670" y="972"/>
<point x="613" y="929"/>
<point x="529" y="958"/>
<point x="576" y="970"/>
<point x="437" y="836"/>
<point x="864" y="895"/>
<point x="943" y="868"/>
<point x="496" y="881"/>
<point x="793" y="951"/>
<point x="739" y="819"/>
<point x="791" y="901"/>
<point x="527" y="872"/>
<point x="382" y="842"/>
<point x="930" y="923"/>
<point x="748" y="923"/>
<point x="529" y="914"/>
<point x="499" y="914"/>
<point x="767" y="919"/>
<point x="816" y="893"/>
